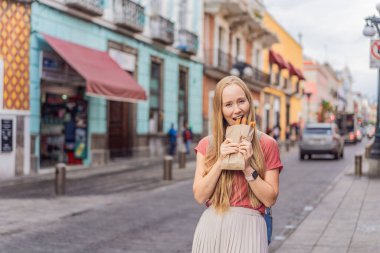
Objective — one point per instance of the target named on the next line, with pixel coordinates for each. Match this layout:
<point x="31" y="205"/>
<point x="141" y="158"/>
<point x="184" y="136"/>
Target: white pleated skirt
<point x="240" y="230"/>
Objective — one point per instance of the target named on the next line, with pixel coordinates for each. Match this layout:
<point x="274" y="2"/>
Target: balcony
<point x="92" y="7"/>
<point x="129" y="15"/>
<point x="188" y="42"/>
<point x="260" y="76"/>
<point x="219" y="64"/>
<point x="162" y="29"/>
<point x="229" y="7"/>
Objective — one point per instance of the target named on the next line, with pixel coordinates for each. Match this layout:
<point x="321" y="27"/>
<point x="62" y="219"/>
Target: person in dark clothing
<point x="187" y="136"/>
<point x="276" y="132"/>
<point x="172" y="136"/>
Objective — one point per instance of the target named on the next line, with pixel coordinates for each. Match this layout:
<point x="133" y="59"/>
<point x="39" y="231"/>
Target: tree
<point x="325" y="109"/>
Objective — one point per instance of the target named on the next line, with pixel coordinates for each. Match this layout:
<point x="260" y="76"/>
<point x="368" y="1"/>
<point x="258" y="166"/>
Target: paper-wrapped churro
<point x="241" y="130"/>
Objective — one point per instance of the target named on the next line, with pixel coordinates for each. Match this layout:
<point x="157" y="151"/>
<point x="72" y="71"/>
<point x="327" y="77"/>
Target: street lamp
<point x="370" y="29"/>
<point x="308" y="95"/>
<point x="241" y="69"/>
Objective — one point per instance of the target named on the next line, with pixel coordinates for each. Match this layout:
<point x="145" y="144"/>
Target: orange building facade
<point x="14" y="87"/>
<point x="234" y="40"/>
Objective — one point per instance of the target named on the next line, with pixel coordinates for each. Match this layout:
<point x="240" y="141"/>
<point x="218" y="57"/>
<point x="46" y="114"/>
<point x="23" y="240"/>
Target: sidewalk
<point x="77" y="172"/>
<point x="347" y="218"/>
<point x="23" y="214"/>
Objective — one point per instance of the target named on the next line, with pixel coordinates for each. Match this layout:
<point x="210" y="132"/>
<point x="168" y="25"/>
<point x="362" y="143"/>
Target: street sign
<point x="375" y="54"/>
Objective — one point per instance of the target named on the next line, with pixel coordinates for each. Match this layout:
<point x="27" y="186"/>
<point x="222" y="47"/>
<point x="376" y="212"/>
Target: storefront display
<point x="63" y="113"/>
<point x="63" y="129"/>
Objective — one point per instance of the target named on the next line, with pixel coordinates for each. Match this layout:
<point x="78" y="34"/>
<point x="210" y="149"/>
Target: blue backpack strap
<point x="268" y="211"/>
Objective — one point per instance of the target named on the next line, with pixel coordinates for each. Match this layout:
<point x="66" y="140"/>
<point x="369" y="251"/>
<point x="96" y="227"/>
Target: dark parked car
<point x="321" y="138"/>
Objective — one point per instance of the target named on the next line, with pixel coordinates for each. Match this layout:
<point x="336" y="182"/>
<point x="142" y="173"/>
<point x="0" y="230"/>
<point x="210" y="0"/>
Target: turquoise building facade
<point x="80" y="28"/>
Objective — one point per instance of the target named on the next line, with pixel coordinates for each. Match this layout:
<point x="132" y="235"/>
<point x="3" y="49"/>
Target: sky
<point x="332" y="31"/>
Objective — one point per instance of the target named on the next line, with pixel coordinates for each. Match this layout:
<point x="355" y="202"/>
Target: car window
<point x="317" y="130"/>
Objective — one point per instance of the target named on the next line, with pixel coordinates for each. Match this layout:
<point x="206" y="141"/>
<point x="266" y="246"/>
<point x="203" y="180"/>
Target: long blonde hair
<point x="220" y="199"/>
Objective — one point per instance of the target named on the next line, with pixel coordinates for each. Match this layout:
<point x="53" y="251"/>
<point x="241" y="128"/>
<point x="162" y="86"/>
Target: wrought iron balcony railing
<point x="217" y="58"/>
<point x="92" y="7"/>
<point x="188" y="41"/>
<point x="130" y="15"/>
<point x="162" y="29"/>
<point x="260" y="76"/>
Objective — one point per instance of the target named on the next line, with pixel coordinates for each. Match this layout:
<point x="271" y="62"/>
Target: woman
<point x="236" y="200"/>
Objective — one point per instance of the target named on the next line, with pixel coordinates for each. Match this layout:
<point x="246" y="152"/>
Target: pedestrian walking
<point x="287" y="133"/>
<point x="187" y="136"/>
<point x="172" y="137"/>
<point x="276" y="132"/>
<point x="233" y="221"/>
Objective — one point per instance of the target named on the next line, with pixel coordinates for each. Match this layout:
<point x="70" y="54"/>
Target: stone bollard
<point x="168" y="162"/>
<point x="358" y="164"/>
<point x="60" y="179"/>
<point x="182" y="159"/>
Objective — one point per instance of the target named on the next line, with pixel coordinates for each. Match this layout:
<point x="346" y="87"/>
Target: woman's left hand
<point x="245" y="148"/>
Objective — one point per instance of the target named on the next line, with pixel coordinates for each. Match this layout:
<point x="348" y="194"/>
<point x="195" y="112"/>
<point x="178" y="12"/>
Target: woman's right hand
<point x="228" y="147"/>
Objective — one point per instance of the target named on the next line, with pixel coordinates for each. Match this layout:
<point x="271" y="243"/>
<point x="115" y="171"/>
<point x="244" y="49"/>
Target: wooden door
<point x="119" y="129"/>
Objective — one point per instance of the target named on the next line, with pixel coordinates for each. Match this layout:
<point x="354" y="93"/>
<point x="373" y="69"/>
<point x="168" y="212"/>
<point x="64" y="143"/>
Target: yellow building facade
<point x="283" y="61"/>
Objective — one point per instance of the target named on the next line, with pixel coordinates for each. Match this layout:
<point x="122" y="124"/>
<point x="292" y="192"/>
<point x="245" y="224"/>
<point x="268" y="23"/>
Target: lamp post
<point x="370" y="29"/>
<point x="241" y="69"/>
<point x="308" y="95"/>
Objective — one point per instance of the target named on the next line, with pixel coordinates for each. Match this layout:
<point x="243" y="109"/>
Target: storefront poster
<point x="6" y="135"/>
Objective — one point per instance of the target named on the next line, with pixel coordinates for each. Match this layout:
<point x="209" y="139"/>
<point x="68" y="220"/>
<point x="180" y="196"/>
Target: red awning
<point x="296" y="72"/>
<point x="300" y="74"/>
<point x="292" y="70"/>
<point x="103" y="75"/>
<point x="277" y="59"/>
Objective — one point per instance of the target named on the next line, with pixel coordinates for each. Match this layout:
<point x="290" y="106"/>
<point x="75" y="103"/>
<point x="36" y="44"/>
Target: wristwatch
<point x="253" y="176"/>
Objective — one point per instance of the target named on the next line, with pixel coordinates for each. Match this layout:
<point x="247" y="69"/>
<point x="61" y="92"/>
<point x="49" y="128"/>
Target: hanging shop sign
<point x="6" y="135"/>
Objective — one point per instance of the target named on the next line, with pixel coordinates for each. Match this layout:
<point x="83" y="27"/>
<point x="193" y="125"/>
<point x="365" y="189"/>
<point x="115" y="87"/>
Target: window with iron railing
<point x="188" y="41"/>
<point x="260" y="76"/>
<point x="129" y="14"/>
<point x="285" y="83"/>
<point x="224" y="60"/>
<point x="162" y="29"/>
<point x="155" y="98"/>
<point x="298" y="87"/>
<point x="182" y="97"/>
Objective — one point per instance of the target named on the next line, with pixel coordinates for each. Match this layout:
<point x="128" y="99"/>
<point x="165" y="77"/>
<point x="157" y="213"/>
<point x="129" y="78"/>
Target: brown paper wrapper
<point x="237" y="133"/>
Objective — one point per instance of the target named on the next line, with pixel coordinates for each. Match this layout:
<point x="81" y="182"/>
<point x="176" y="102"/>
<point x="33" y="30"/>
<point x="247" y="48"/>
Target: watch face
<point x="255" y="174"/>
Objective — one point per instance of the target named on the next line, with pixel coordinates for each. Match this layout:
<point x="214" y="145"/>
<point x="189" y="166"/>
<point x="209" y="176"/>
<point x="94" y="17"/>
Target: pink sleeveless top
<point x="272" y="159"/>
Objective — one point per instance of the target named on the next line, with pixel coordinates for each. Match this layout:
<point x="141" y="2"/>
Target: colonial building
<point x="322" y="87"/>
<point x="14" y="88"/>
<point x="234" y="40"/>
<point x="282" y="99"/>
<point x="108" y="78"/>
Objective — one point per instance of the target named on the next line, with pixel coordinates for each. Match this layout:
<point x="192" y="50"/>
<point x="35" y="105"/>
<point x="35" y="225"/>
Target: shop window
<point x="63" y="126"/>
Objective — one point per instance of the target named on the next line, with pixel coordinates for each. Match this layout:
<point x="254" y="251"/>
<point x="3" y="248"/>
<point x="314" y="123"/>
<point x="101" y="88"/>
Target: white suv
<point x="321" y="138"/>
